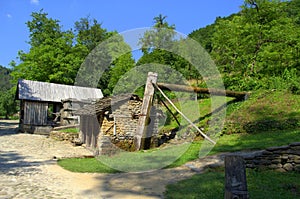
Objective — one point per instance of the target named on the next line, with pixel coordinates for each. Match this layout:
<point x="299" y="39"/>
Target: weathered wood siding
<point x="90" y="129"/>
<point x="35" y="113"/>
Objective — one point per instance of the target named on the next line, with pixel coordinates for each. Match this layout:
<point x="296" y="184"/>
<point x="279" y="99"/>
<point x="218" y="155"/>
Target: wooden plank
<point x="194" y="89"/>
<point x="235" y="178"/>
<point x="145" y="111"/>
<point x="185" y="117"/>
<point x="35" y="113"/>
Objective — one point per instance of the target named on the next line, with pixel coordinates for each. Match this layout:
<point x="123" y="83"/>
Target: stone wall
<point x="119" y="126"/>
<point x="64" y="136"/>
<point x="284" y="158"/>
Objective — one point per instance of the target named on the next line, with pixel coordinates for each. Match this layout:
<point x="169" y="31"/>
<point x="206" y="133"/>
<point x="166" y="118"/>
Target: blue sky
<point x="119" y="15"/>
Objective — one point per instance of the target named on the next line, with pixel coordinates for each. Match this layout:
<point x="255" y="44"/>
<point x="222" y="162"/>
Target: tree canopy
<point x="258" y="47"/>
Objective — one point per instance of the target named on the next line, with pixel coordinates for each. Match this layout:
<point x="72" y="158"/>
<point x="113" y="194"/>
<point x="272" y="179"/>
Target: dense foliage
<point x="7" y="93"/>
<point x="258" y="47"/>
<point x="56" y="55"/>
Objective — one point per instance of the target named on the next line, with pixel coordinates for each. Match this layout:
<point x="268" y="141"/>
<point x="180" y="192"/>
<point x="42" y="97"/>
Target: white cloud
<point x="9" y="16"/>
<point x="35" y="2"/>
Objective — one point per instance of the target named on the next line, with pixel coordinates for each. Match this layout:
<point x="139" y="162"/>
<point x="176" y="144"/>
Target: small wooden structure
<point x="40" y="102"/>
<point x="110" y="124"/>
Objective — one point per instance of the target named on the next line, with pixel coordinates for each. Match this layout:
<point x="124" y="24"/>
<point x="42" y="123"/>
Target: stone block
<point x="278" y="148"/>
<point x="295" y="144"/>
<point x="275" y="166"/>
<point x="288" y="167"/>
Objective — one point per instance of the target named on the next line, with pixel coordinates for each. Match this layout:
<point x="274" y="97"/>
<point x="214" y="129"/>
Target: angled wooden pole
<point x="145" y="111"/>
<point x="185" y="117"/>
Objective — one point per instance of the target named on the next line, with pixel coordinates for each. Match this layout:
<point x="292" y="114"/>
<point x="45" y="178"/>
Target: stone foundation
<point x="284" y="158"/>
<point x="64" y="136"/>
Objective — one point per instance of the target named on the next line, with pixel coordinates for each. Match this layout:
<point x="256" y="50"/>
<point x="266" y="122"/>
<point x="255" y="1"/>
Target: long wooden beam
<point x="194" y="89"/>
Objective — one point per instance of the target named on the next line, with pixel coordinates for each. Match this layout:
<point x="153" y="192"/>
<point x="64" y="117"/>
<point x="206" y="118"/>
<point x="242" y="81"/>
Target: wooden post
<point x="145" y="111"/>
<point x="235" y="178"/>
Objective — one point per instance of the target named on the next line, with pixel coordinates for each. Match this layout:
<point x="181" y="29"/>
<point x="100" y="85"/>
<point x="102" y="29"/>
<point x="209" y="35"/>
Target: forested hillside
<point x="258" y="47"/>
<point x="7" y="93"/>
<point x="4" y="78"/>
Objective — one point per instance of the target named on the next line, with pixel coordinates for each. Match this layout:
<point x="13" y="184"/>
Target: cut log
<point x="194" y="89"/>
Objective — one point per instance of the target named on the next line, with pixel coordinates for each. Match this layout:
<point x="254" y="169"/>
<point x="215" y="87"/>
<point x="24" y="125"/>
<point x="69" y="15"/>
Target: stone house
<point x="110" y="124"/>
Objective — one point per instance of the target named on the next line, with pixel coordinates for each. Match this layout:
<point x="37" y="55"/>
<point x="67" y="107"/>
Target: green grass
<point x="127" y="161"/>
<point x="261" y="185"/>
<point x="175" y="156"/>
<point x="277" y="105"/>
<point x="70" y="130"/>
<point x="88" y="165"/>
<point x="238" y="142"/>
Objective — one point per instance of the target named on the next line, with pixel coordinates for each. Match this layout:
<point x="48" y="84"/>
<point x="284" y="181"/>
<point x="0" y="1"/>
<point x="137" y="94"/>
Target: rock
<point x="277" y="148"/>
<point x="288" y="167"/>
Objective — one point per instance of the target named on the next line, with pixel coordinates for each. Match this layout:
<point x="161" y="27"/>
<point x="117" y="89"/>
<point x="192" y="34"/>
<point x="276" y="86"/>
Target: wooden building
<point x="41" y="103"/>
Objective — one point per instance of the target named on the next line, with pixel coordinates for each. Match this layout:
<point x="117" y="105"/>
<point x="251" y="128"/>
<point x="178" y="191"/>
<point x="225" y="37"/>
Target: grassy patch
<point x="70" y="130"/>
<point x="265" y="111"/>
<point x="237" y="142"/>
<point x="127" y="161"/>
<point x="88" y="165"/>
<point x="261" y="184"/>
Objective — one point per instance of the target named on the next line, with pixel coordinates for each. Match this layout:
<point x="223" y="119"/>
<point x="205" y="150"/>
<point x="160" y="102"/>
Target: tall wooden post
<point x="235" y="178"/>
<point x="145" y="111"/>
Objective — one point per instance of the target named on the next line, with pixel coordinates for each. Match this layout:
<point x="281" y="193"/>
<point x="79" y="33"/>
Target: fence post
<point x="235" y="178"/>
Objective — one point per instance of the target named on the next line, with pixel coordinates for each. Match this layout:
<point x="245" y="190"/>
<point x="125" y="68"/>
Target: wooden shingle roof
<point x="104" y="104"/>
<point x="50" y="92"/>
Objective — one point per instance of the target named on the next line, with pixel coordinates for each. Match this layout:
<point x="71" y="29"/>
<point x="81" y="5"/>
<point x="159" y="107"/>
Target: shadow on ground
<point x="12" y="163"/>
<point x="8" y="127"/>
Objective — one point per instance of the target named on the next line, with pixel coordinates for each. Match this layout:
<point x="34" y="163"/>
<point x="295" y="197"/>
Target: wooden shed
<point x="40" y="102"/>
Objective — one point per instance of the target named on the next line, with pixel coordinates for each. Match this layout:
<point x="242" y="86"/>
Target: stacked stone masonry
<point x="284" y="158"/>
<point x="118" y="127"/>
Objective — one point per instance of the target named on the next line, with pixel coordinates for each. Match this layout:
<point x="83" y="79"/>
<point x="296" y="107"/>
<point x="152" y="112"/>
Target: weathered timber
<point x="141" y="130"/>
<point x="218" y="92"/>
<point x="235" y="178"/>
<point x="185" y="117"/>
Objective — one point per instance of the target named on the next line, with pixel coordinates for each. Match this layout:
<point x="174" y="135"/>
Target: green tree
<point x="90" y="33"/>
<point x="159" y="45"/>
<point x="160" y="36"/>
<point x="7" y="103"/>
<point x="255" y="45"/>
<point x="52" y="57"/>
<point x="119" y="68"/>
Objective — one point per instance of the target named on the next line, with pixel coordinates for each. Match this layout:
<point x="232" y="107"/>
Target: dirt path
<point x="27" y="170"/>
